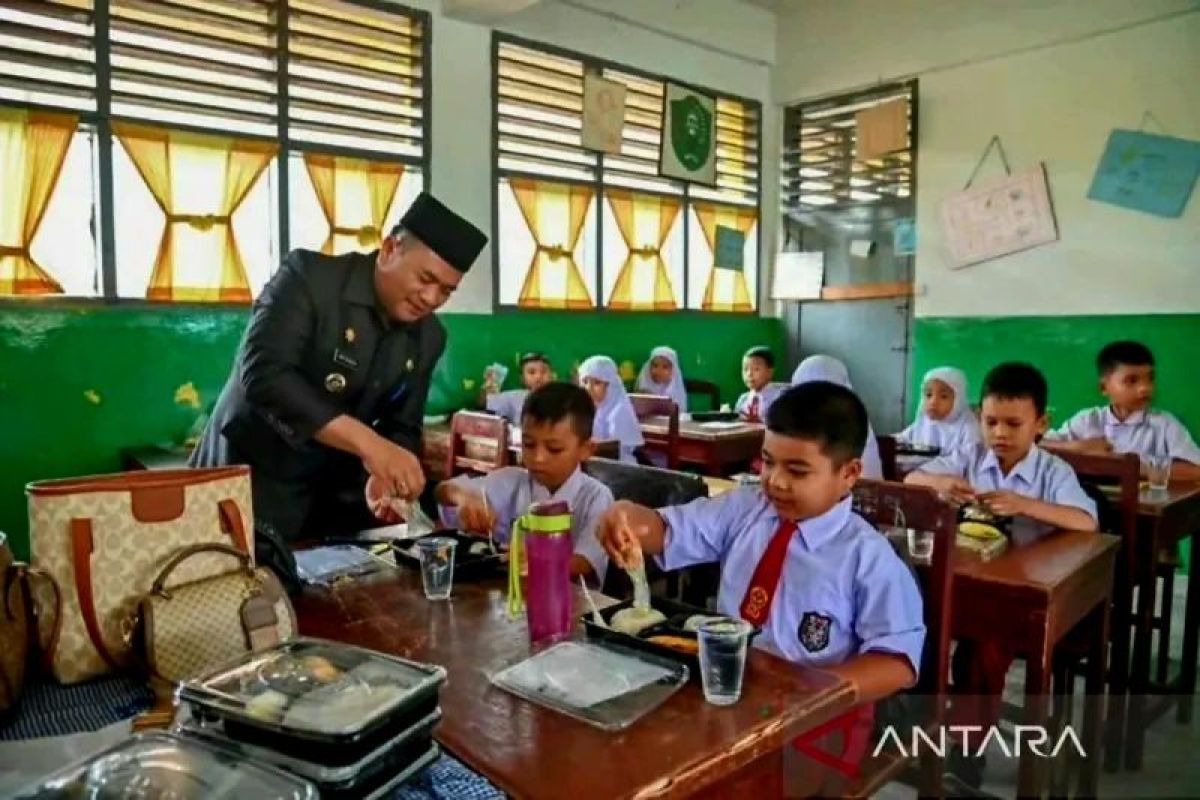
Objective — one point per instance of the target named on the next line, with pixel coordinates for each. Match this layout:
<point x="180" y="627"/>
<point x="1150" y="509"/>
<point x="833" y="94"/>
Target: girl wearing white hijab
<point x="944" y="419"/>
<point x="650" y="379"/>
<point x="828" y="368"/>
<point x="614" y="413"/>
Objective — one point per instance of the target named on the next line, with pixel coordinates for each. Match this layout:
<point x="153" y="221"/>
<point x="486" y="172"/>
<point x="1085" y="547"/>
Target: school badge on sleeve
<point x="814" y="631"/>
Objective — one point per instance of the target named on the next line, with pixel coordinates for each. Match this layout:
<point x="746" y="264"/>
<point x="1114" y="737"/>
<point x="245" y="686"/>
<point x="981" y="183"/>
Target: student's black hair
<point x="1124" y="353"/>
<point x="1016" y="380"/>
<point x="822" y="412"/>
<point x="763" y="353"/>
<point x="557" y="401"/>
<point x="529" y="358"/>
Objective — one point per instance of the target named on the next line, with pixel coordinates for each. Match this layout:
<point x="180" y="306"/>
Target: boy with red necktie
<point x="826" y="588"/>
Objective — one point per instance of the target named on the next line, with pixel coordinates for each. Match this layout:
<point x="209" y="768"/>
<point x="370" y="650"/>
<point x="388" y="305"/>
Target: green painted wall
<point x="1065" y="348"/>
<point x="52" y="360"/>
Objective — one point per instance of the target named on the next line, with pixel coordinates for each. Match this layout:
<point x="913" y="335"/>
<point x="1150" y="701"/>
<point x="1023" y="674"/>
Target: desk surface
<point x="706" y="431"/>
<point x="532" y="752"/>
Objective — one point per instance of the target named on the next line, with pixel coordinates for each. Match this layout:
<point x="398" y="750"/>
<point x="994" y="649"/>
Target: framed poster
<point x="998" y="218"/>
<point x="688" y="150"/>
<point x="1146" y="172"/>
<point x="603" y="113"/>
<point x="881" y="129"/>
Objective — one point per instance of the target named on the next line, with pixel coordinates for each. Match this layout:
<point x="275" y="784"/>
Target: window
<point x="578" y="229"/>
<point x="219" y="134"/>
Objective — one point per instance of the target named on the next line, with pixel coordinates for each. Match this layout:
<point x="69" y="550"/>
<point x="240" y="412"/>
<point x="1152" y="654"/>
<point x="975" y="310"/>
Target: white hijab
<point x="614" y="417"/>
<point x="829" y="369"/>
<point x="674" y="388"/>
<point x="958" y="429"/>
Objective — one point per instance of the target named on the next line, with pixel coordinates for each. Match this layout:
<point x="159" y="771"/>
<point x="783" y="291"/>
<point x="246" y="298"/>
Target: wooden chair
<point x="895" y="505"/>
<point x="653" y="405"/>
<point x="1124" y="472"/>
<point x="707" y="388"/>
<point x="478" y="443"/>
<point x="887" y="456"/>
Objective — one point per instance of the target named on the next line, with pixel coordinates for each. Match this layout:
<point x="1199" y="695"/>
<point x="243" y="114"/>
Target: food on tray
<point x="267" y="706"/>
<point x="479" y="549"/>
<point x="680" y="643"/>
<point x="694" y="622"/>
<point x="321" y="669"/>
<point x="980" y="530"/>
<point x="635" y="620"/>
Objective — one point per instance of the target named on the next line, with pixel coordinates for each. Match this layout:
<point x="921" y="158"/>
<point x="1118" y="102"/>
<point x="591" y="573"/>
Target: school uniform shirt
<point x="1040" y="474"/>
<point x="766" y="396"/>
<point x="959" y="429"/>
<point x="843" y="590"/>
<point x="510" y="491"/>
<point x="1146" y="433"/>
<point x="508" y="404"/>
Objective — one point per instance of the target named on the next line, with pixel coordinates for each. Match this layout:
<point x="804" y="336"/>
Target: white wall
<point x="1052" y="79"/>
<point x="462" y="86"/>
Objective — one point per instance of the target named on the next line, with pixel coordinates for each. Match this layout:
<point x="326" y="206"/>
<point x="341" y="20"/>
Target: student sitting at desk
<point x="945" y="419"/>
<point x="661" y="375"/>
<point x="1013" y="477"/>
<point x="535" y="373"/>
<point x="824" y="585"/>
<point x="556" y="439"/>
<point x="615" y="417"/>
<point x="828" y="368"/>
<point x="1128" y="424"/>
<point x="758" y="368"/>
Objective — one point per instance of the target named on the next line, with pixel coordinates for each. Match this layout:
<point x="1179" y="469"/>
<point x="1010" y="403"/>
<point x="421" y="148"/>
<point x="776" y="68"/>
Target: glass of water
<point x="1158" y="472"/>
<point x="723" y="645"/>
<point x="437" y="565"/>
<point x="920" y="545"/>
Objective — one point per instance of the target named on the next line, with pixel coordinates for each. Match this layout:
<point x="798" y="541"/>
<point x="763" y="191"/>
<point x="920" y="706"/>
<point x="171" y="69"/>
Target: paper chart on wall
<point x="998" y="218"/>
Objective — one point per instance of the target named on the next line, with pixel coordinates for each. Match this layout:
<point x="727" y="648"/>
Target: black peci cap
<point x="456" y="241"/>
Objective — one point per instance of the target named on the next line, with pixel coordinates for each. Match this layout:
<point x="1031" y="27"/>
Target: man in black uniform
<point x="328" y="388"/>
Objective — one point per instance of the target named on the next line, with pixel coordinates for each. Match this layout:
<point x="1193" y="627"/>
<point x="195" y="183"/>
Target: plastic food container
<point x="316" y="700"/>
<point x="165" y="765"/>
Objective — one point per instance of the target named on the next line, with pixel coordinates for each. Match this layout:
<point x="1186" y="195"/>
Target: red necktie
<point x="752" y="411"/>
<point x="761" y="591"/>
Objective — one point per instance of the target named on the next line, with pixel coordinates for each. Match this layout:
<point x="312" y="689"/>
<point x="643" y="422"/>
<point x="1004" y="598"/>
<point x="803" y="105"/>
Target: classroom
<point x="605" y="398"/>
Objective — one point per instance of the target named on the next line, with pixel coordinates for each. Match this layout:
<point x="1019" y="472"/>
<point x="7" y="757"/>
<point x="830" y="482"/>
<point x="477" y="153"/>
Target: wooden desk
<point x="1029" y="598"/>
<point x="713" y="448"/>
<point x="155" y="457"/>
<point x="1162" y="523"/>
<point x="435" y="441"/>
<point x="685" y="747"/>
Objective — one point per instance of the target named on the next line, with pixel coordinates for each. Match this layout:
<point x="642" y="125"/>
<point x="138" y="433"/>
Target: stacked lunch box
<point x="354" y="722"/>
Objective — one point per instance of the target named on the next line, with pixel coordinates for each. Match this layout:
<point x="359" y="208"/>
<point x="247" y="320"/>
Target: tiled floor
<point x="1171" y="767"/>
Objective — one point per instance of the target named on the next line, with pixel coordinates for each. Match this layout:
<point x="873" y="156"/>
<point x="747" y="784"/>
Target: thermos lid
<point x="550" y="508"/>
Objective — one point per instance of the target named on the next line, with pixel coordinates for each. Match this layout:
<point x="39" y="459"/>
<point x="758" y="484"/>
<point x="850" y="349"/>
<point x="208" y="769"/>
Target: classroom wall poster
<point x="998" y="218"/>
<point x="880" y="130"/>
<point x="1146" y="172"/>
<point x="904" y="237"/>
<point x="688" y="150"/>
<point x="798" y="276"/>
<point x="731" y="248"/>
<point x="603" y="113"/>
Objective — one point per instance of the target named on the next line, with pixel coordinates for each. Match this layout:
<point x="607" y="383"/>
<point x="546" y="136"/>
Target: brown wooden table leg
<point x="1037" y="693"/>
<point x="1139" y="671"/>
<point x="1093" y="709"/>
<point x="1191" y="626"/>
<point x="1118" y="676"/>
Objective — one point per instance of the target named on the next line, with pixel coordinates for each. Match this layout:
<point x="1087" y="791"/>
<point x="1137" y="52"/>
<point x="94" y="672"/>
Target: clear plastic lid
<point x="161" y="765"/>
<point x="314" y="688"/>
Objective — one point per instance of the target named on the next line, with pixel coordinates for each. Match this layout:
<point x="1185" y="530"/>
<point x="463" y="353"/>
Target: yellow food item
<point x="979" y="530"/>
<point x="321" y="669"/>
<point x="680" y="643"/>
<point x="635" y="620"/>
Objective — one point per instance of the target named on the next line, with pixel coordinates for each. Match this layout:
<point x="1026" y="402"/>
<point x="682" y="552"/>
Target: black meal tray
<point x="467" y="567"/>
<point x="677" y="613"/>
<point x="715" y="416"/>
<point x="917" y="450"/>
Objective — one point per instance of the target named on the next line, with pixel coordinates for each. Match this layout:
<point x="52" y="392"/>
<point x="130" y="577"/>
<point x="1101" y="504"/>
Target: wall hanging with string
<point x="1000" y="216"/>
<point x="1144" y="171"/>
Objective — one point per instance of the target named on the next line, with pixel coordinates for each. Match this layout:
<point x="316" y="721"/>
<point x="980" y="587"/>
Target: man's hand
<point x="396" y="471"/>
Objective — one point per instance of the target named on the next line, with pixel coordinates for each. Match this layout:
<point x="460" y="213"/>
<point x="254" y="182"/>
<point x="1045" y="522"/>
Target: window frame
<point x="101" y="121"/>
<point x="598" y="186"/>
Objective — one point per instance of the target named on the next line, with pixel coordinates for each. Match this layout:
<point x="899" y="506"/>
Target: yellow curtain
<point x="33" y="147"/>
<point x="355" y="195"/>
<point x="198" y="180"/>
<point x="726" y="289"/>
<point x="555" y="214"/>
<point x="645" y="222"/>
